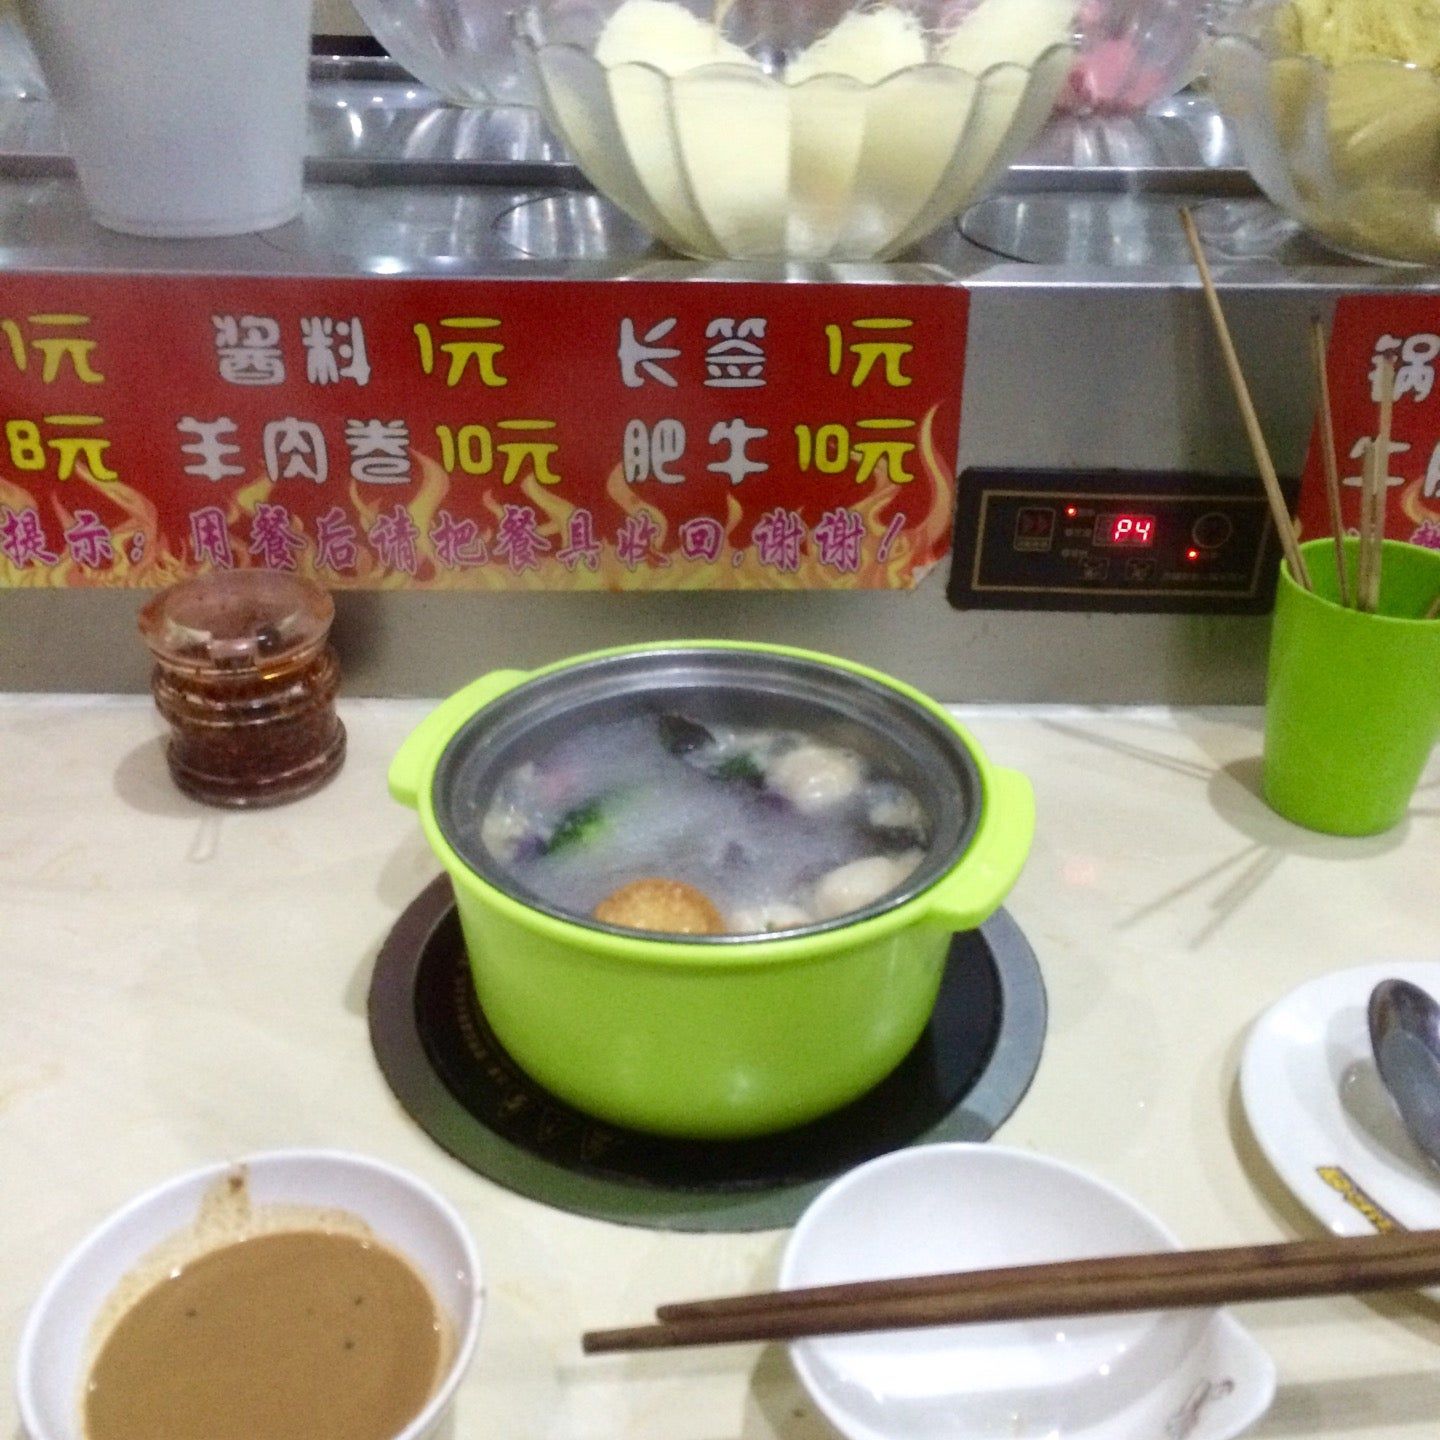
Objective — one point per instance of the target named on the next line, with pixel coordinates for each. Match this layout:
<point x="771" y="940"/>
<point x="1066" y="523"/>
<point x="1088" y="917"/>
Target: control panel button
<point x="1035" y="528"/>
<point x="1213" y="530"/>
<point x="1095" y="568"/>
<point x="1140" y="571"/>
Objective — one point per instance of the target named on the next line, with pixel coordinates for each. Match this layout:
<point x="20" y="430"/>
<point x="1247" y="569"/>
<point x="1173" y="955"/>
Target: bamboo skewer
<point x="1377" y="479"/>
<point x="1382" y="481"/>
<point x="1171" y="1281"/>
<point x="1433" y="613"/>
<point x="1332" y="460"/>
<point x="1363" y="551"/>
<point x="1284" y="525"/>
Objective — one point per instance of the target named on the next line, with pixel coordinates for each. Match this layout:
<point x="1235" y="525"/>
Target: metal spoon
<point x="1405" y="1036"/>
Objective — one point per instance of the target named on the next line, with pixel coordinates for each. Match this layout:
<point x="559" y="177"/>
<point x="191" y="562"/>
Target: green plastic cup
<point x="1353" y="707"/>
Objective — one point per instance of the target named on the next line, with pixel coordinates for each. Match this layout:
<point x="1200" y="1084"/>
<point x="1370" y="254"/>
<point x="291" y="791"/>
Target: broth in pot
<point x="663" y="822"/>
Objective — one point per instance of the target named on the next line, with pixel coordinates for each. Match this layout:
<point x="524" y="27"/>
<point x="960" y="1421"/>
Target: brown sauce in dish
<point x="303" y="1335"/>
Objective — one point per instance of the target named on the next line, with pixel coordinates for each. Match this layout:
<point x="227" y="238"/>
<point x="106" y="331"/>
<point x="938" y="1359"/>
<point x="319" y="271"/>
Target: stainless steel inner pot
<point x="904" y="740"/>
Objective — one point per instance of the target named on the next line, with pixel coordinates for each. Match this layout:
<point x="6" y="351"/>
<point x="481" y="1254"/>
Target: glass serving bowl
<point x="20" y="77"/>
<point x="1350" y="150"/>
<point x="461" y="49"/>
<point x="780" y="135"/>
<point x="1132" y="53"/>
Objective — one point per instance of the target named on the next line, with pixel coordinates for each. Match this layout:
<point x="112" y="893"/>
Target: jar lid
<point x="236" y="619"/>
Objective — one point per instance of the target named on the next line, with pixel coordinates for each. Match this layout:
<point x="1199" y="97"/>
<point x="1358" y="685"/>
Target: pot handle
<point x="993" y="862"/>
<point x="411" y="768"/>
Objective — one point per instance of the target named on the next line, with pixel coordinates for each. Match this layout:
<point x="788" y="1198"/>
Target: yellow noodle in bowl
<point x="1338" y="132"/>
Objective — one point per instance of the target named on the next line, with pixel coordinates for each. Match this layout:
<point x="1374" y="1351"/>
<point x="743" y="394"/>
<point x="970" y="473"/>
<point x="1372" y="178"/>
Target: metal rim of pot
<point x="940" y="768"/>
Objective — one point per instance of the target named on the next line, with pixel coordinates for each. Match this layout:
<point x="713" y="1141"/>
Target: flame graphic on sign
<point x="146" y="557"/>
<point x="134" y="522"/>
<point x="1412" y="502"/>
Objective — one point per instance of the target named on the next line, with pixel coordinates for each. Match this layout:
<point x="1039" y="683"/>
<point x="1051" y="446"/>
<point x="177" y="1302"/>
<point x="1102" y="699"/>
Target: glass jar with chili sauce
<point x="246" y="677"/>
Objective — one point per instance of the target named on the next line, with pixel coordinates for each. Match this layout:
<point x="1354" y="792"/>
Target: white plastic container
<point x="185" y="117"/>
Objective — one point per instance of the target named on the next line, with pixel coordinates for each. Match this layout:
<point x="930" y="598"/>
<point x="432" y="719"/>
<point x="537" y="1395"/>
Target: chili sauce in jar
<point x="246" y="677"/>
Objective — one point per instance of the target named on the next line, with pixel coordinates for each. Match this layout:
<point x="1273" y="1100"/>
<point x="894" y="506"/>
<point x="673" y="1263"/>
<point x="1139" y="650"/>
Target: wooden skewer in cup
<point x="1367" y="508"/>
<point x="1331" y="458"/>
<point x="1284" y="525"/>
<point x="1377" y="479"/>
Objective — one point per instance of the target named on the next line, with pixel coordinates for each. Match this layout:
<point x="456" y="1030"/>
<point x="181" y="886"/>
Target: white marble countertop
<point x="179" y="985"/>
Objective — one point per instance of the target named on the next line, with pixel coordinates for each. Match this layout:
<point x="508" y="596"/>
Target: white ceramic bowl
<point x="937" y="1208"/>
<point x="408" y="1215"/>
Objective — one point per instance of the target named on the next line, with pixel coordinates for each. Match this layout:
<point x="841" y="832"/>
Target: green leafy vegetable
<point x="576" y="826"/>
<point x="741" y="768"/>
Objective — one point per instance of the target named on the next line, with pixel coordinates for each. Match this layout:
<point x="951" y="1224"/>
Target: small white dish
<point x="1178" y="1375"/>
<point x="1323" y="1118"/>
<point x="406" y="1214"/>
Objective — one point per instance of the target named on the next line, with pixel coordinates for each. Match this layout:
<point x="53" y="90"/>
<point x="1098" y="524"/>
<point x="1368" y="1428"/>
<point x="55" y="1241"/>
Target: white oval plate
<point x="1321" y="1115"/>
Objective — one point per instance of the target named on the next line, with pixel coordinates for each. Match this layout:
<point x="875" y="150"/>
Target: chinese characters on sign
<point x="1368" y="331"/>
<point x="516" y="435"/>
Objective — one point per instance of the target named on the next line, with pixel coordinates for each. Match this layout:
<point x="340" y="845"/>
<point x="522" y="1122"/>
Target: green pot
<point x="719" y="1037"/>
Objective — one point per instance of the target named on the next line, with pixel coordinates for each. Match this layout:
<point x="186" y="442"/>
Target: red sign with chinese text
<point x="486" y="435"/>
<point x="1368" y="330"/>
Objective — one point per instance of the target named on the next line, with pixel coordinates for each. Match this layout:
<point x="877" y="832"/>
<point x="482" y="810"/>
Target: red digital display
<point x="1136" y="530"/>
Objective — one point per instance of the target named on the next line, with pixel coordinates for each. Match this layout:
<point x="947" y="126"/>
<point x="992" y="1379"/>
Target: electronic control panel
<point x="1113" y="541"/>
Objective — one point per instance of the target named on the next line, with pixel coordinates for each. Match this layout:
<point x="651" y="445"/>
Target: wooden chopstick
<point x="1169" y="1281"/>
<point x="1330" y="456"/>
<point x="1433" y="613"/>
<point x="1284" y="524"/>
<point x="1377" y="476"/>
<point x="1279" y="1256"/>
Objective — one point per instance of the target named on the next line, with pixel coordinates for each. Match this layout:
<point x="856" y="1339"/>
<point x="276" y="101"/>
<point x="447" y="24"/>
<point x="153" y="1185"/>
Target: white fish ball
<point x="895" y="808"/>
<point x="768" y="917"/>
<point x="862" y="882"/>
<point x="816" y="777"/>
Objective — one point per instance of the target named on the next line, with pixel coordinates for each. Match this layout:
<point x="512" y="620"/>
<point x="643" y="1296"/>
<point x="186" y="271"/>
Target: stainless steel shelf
<point x="399" y="182"/>
<point x="372" y="123"/>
